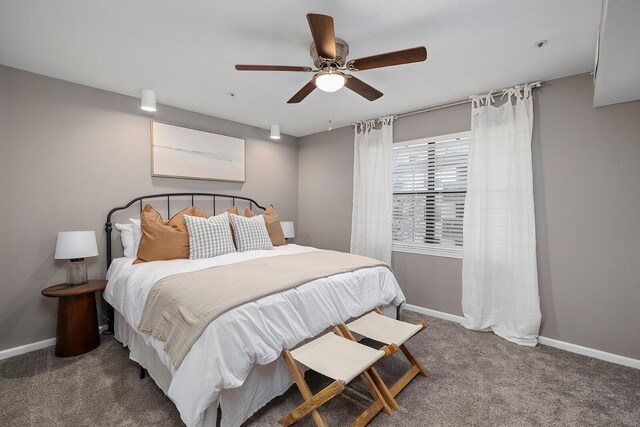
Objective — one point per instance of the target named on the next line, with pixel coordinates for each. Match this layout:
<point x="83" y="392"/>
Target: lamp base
<point x="77" y="272"/>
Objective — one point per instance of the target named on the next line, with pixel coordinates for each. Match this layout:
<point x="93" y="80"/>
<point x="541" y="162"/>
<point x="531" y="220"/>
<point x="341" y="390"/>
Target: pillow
<point x="273" y="225"/>
<point x="137" y="234"/>
<point x="126" y="236"/>
<point x="251" y="233"/>
<point x="164" y="240"/>
<point x="232" y="210"/>
<point x="209" y="237"/>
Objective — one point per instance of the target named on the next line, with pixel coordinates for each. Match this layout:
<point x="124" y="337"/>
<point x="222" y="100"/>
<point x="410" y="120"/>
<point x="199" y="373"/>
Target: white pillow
<point x="209" y="237"/>
<point x="251" y="233"/>
<point x="130" y="235"/>
<point x="137" y="235"/>
<point x="126" y="235"/>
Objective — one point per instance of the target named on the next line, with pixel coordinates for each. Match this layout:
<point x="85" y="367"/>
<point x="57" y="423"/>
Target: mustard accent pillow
<point x="164" y="240"/>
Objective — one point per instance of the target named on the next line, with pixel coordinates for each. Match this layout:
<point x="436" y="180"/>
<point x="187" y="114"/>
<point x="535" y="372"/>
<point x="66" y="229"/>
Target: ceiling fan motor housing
<point x="342" y="51"/>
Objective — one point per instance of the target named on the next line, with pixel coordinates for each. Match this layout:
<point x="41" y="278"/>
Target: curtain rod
<point x="435" y="107"/>
<point x="454" y="103"/>
<point x="449" y="104"/>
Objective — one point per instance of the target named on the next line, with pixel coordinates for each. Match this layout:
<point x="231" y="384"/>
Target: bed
<point x="242" y="371"/>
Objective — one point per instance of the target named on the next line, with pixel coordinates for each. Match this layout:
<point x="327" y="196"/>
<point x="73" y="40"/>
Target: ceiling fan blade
<point x="407" y="56"/>
<point x="323" y="36"/>
<point x="241" y="67"/>
<point x="302" y="93"/>
<point x="363" y="89"/>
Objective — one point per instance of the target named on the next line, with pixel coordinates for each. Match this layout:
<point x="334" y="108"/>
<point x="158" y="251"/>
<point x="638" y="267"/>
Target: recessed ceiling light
<point x="541" y="43"/>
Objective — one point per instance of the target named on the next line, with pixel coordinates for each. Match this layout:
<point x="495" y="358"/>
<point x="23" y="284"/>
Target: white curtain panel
<point x="499" y="271"/>
<point x="372" y="190"/>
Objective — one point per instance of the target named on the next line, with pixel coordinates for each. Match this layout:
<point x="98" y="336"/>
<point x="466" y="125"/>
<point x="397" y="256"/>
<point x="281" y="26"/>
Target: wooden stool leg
<point x="384" y="390"/>
<point x="328" y="393"/>
<point x="375" y="393"/>
<point x="303" y="387"/>
<point x="416" y="369"/>
<point x="413" y="360"/>
<point x="369" y="413"/>
<point x="404" y="380"/>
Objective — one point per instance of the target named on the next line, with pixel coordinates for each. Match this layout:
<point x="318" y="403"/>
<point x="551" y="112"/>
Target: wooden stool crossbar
<point x="377" y="326"/>
<point x="342" y="360"/>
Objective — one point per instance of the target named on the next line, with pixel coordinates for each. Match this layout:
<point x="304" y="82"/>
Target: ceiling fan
<point x="330" y="58"/>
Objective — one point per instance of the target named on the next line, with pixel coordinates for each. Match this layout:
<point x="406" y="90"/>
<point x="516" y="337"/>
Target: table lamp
<point x="76" y="246"/>
<point x="287" y="229"/>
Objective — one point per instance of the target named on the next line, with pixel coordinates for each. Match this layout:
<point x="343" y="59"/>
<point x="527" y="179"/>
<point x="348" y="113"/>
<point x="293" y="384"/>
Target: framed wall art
<point x="181" y="152"/>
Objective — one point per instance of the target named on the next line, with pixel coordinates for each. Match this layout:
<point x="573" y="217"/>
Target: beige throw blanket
<point x="180" y="307"/>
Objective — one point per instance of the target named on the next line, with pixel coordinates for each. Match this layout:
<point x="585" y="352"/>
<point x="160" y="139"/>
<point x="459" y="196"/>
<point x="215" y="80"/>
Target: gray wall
<point x="69" y="153"/>
<point x="586" y="165"/>
<point x="325" y="189"/>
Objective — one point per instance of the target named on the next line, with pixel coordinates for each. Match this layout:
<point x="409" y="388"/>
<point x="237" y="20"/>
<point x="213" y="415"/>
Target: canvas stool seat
<point x="336" y="357"/>
<point x="342" y="360"/>
<point x="384" y="329"/>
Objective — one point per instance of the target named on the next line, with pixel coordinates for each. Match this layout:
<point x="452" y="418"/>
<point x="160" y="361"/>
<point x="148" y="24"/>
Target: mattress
<point x="240" y="371"/>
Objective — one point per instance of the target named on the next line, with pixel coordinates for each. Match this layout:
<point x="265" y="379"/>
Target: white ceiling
<point x="186" y="51"/>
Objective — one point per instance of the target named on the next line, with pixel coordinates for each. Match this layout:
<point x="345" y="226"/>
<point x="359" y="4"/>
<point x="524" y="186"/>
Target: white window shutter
<point x="429" y="187"/>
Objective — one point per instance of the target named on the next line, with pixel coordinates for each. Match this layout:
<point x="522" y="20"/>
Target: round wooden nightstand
<point x="77" y="330"/>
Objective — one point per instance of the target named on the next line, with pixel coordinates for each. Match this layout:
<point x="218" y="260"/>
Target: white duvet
<point x="251" y="334"/>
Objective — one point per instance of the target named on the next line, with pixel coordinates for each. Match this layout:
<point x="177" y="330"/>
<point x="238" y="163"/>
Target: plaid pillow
<point x="251" y="233"/>
<point x="209" y="237"/>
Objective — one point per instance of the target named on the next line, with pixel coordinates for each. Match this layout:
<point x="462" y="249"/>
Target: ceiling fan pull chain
<point x="330" y="108"/>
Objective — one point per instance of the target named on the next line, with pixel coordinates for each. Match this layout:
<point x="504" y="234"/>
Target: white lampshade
<point x="147" y="100"/>
<point x="275" y="132"/>
<point x="76" y="244"/>
<point x="287" y="228"/>
<point x="329" y="81"/>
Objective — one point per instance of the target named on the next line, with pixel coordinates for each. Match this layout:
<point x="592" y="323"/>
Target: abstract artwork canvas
<point x="180" y="152"/>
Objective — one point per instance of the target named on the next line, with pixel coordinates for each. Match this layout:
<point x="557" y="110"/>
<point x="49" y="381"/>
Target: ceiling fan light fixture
<point x="330" y="80"/>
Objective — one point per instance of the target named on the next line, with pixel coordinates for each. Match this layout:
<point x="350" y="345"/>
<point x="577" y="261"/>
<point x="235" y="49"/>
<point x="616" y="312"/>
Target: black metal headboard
<point x="167" y="197"/>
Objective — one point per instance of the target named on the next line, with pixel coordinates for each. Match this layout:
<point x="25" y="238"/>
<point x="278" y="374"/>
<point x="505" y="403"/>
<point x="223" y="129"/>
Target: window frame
<point x="429" y="248"/>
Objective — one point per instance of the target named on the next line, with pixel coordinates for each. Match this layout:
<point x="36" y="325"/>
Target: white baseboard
<point x="434" y="313"/>
<point x="15" y="351"/>
<point x="562" y="345"/>
<point x="591" y="352"/>
<point x="22" y="349"/>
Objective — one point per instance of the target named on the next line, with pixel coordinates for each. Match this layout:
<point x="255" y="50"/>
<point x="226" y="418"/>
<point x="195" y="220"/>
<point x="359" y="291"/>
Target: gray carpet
<point x="476" y="379"/>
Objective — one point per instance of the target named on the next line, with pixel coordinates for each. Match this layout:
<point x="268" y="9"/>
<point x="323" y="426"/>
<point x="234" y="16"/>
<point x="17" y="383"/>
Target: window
<point x="429" y="187"/>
